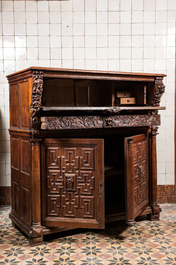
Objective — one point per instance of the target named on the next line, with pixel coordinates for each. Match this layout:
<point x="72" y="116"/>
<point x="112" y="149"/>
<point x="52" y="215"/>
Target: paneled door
<point x="73" y="183"/>
<point x="136" y="176"/>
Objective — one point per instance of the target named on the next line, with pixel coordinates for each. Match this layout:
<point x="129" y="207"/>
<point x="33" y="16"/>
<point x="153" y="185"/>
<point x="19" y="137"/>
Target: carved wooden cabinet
<point x="83" y="148"/>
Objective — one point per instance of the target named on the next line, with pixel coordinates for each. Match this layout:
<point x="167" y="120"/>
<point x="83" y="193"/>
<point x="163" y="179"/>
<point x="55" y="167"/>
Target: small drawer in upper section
<point x="40" y="91"/>
<point x="58" y="92"/>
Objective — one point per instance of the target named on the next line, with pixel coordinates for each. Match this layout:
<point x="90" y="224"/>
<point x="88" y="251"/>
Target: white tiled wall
<point x="120" y="35"/>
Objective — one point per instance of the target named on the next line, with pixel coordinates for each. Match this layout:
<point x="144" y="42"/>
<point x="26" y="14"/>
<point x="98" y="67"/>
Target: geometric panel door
<point x="73" y="183"/>
<point x="136" y="176"/>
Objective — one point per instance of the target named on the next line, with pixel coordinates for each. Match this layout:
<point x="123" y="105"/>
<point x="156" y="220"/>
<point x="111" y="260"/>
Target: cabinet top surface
<point x="79" y="73"/>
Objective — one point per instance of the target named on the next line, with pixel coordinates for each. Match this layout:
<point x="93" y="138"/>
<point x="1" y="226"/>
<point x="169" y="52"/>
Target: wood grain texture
<point x="65" y="127"/>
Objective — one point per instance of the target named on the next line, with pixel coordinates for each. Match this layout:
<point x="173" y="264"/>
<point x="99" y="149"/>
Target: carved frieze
<point x="87" y="122"/>
<point x="36" y="101"/>
<point x="159" y="90"/>
<point x="71" y="122"/>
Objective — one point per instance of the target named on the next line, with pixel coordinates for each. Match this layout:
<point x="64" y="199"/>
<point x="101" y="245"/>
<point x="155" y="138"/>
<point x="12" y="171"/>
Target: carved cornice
<point x="36" y="101"/>
<point x="90" y="122"/>
<point x="159" y="90"/>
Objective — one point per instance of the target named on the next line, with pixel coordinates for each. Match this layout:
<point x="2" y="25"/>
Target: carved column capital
<point x="154" y="130"/>
<point x="36" y="102"/>
<point x="159" y="90"/>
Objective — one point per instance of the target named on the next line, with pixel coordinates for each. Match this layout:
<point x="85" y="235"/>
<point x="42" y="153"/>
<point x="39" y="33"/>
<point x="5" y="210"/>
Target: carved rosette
<point x="159" y="90"/>
<point x="36" y="101"/>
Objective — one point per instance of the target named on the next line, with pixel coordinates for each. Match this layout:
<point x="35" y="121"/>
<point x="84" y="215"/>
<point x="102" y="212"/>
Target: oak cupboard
<point x="83" y="148"/>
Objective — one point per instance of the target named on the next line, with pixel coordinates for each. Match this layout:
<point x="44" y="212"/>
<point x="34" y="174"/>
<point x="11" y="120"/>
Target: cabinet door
<point x="73" y="183"/>
<point x="136" y="176"/>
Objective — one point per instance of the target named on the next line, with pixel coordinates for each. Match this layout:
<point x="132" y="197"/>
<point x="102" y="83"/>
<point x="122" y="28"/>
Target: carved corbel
<point x="159" y="90"/>
<point x="36" y="102"/>
<point x="154" y="130"/>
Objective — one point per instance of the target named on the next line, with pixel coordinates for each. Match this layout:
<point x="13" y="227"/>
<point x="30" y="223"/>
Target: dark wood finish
<point x="72" y="175"/>
<point x="78" y="159"/>
<point x="136" y="165"/>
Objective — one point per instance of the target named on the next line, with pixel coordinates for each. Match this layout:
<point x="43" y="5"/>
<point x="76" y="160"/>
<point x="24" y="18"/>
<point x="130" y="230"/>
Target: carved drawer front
<point x="137" y="190"/>
<point x="72" y="173"/>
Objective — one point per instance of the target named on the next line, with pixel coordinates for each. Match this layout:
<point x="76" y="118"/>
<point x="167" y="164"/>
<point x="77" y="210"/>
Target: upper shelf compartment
<point x="59" y="92"/>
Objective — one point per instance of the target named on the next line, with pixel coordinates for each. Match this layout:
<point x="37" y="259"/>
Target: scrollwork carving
<point x="159" y="90"/>
<point x="88" y="122"/>
<point x="36" y="101"/>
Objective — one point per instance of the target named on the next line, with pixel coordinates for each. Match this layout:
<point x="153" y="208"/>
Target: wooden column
<point x="36" y="232"/>
<point x="153" y="175"/>
<point x="129" y="178"/>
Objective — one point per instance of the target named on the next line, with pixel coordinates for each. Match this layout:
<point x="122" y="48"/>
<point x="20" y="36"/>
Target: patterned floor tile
<point x="146" y="243"/>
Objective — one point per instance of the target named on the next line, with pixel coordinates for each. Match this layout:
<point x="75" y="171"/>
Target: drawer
<point x="123" y="94"/>
<point x="125" y="101"/>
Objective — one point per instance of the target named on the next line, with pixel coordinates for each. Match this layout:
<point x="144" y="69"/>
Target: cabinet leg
<point x="130" y="222"/>
<point x="35" y="241"/>
<point x="154" y="217"/>
<point x="14" y="225"/>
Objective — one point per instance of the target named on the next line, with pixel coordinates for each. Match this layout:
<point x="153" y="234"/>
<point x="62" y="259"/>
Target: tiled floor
<point x="145" y="243"/>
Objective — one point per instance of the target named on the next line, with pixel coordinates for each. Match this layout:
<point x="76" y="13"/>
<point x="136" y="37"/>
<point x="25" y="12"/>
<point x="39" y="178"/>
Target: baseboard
<point x="166" y="194"/>
<point x="5" y="195"/>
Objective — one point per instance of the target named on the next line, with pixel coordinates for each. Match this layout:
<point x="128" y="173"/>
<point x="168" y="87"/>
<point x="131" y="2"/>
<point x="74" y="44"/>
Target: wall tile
<point x="149" y="4"/>
<point x="78" y="17"/>
<point x="44" y="54"/>
<point x="101" y="5"/>
<point x="56" y="53"/>
<point x="32" y="29"/>
<point x="125" y="17"/>
<point x="102" y="17"/>
<point x="128" y="35"/>
<point x="161" y="5"/>
<point x="8" y="17"/>
<point x="55" y="30"/>
<point x="8" y="29"/>
<point x="90" y="17"/>
<point x="149" y="16"/>
<point x="79" y="41"/>
<point x="67" y="41"/>
<point x="54" y="6"/>
<point x="78" y="29"/>
<point x="161" y="180"/>
<point x="125" y="5"/>
<point x="137" y="16"/>
<point x="114" y="5"/>
<point x="20" y="29"/>
<point x="31" y="17"/>
<point x="43" y="29"/>
<point x="31" y="6"/>
<point x="43" y="17"/>
<point x="169" y="179"/>
<point x="114" y="17"/>
<point x="90" y="5"/>
<point x="125" y="29"/>
<point x="20" y="17"/>
<point x="7" y="5"/>
<point x="78" y="5"/>
<point x="161" y="16"/>
<point x="19" y="6"/>
<point x="102" y="41"/>
<point x="137" y="5"/>
<point x="43" y="6"/>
